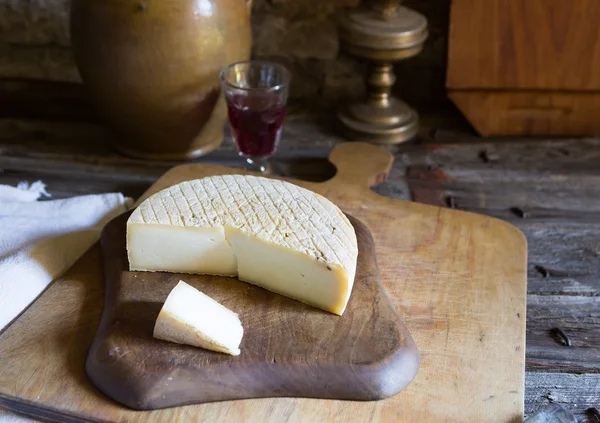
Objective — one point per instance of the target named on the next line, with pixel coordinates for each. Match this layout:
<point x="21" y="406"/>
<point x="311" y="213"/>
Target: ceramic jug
<point x="151" y="69"/>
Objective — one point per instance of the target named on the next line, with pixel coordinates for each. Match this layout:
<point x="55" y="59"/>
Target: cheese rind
<point x="270" y="233"/>
<point x="190" y="317"/>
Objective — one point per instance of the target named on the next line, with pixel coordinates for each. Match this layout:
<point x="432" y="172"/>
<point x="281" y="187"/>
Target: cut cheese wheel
<point x="191" y="317"/>
<point x="270" y="233"/>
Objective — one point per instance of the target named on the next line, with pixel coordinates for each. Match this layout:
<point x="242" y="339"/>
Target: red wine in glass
<point x="256" y="92"/>
<point x="256" y="123"/>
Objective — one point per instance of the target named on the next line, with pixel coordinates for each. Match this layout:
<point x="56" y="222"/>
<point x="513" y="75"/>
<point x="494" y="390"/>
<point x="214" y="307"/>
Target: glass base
<point x="258" y="164"/>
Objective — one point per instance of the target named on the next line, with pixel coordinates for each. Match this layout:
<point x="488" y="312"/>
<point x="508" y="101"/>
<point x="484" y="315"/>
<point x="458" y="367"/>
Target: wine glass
<point x="256" y="92"/>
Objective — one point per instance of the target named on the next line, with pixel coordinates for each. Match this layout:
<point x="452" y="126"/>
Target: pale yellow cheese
<point x="190" y="317"/>
<point x="271" y="233"/>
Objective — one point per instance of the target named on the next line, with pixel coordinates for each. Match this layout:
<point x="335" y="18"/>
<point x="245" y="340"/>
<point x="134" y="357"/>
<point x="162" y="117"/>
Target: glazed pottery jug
<point x="151" y="68"/>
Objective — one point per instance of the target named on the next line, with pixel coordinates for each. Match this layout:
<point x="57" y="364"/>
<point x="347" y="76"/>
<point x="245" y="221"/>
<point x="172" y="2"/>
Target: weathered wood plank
<point x="559" y="175"/>
<point x="540" y="155"/>
<point x="44" y="149"/>
<point x="544" y="354"/>
<point x="576" y="393"/>
<point x="564" y="249"/>
<point x="552" y="413"/>
<point x="396" y="185"/>
<point x="579" y="318"/>
<point x="586" y="285"/>
<point x="540" y="216"/>
<point x="78" y="141"/>
<point x="67" y="180"/>
<point x="62" y="186"/>
<point x="481" y="188"/>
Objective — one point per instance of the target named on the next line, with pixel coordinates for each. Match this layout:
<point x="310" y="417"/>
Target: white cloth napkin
<point x="40" y="240"/>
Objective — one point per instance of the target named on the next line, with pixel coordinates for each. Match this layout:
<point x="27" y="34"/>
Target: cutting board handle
<point x="360" y="163"/>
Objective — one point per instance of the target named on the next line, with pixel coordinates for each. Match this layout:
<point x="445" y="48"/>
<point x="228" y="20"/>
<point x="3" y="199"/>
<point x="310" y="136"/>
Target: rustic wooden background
<point x="35" y="44"/>
<point x="550" y="188"/>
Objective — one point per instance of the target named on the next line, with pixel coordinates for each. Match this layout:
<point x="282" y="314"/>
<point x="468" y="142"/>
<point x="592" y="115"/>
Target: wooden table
<point x="550" y="189"/>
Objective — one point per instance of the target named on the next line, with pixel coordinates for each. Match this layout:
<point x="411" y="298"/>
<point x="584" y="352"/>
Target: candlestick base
<point x="391" y="124"/>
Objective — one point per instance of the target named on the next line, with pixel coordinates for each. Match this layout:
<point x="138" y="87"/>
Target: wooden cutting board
<point x="458" y="281"/>
<point x="289" y="349"/>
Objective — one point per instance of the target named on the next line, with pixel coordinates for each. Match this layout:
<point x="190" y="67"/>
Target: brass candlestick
<point x="382" y="32"/>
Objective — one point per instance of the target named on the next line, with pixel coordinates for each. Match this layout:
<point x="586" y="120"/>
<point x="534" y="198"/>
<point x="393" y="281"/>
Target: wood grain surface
<point x="458" y="280"/>
<point x="532" y="69"/>
<point x="524" y="44"/>
<point x="529" y="112"/>
<point x="289" y="349"/>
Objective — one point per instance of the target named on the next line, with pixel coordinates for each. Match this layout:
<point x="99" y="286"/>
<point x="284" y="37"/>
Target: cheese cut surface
<point x="270" y="233"/>
<point x="191" y="317"/>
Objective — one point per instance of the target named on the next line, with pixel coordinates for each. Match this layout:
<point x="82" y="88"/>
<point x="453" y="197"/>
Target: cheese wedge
<point x="270" y="233"/>
<point x="193" y="318"/>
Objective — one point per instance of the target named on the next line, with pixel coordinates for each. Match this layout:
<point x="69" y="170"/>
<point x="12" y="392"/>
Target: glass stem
<point x="258" y="164"/>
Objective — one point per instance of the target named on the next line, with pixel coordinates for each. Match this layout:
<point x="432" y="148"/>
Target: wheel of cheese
<point x="267" y="232"/>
